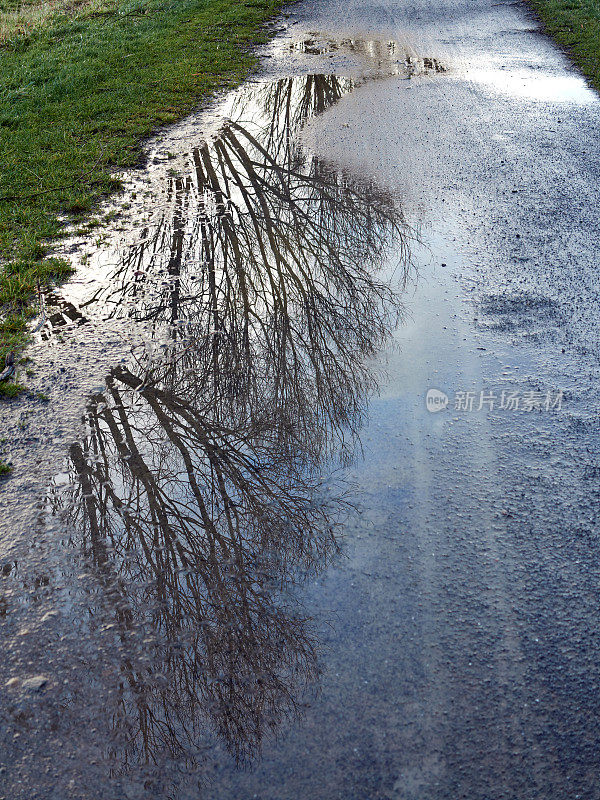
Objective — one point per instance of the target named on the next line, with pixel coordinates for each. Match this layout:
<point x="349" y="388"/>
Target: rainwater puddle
<point x="207" y="486"/>
<point x="246" y="168"/>
<point x="250" y="196"/>
<point x="386" y="57"/>
<point x="207" y="606"/>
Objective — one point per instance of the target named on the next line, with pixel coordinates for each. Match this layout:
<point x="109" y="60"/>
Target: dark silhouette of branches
<point x="199" y="498"/>
<point x="208" y="528"/>
<point x="274" y="255"/>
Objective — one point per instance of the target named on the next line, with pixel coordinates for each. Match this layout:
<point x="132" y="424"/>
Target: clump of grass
<point x="19" y="282"/>
<point x="9" y="390"/>
<point x="79" y="91"/>
<point x="575" y="24"/>
<point x="5" y="469"/>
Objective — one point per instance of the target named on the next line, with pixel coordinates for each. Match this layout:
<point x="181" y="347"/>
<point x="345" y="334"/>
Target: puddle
<point x="385" y="56"/>
<point x="206" y="486"/>
<point x="251" y="198"/>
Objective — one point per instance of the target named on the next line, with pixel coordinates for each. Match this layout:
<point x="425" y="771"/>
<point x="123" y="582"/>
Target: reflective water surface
<point x="263" y="570"/>
<point x="206" y="486"/>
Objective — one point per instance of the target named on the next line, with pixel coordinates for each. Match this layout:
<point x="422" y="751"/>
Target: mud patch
<point x="57" y="314"/>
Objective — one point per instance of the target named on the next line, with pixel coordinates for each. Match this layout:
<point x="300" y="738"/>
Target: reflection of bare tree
<point x="252" y="197"/>
<point x="196" y="530"/>
<point x="198" y="488"/>
<point x="275" y="254"/>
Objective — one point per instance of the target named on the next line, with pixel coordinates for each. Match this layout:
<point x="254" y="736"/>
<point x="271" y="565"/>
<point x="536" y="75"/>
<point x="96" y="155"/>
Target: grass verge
<point x="80" y="89"/>
<point x="575" y="25"/>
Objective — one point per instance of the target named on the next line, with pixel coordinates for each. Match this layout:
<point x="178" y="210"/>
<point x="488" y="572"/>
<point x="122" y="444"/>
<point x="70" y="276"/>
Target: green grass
<point x="5" y="469"/>
<point x="575" y="25"/>
<point x="78" y="95"/>
<point x="9" y="390"/>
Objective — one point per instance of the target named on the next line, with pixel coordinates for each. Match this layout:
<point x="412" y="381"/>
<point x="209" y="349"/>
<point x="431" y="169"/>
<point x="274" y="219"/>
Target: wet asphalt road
<point x="457" y="630"/>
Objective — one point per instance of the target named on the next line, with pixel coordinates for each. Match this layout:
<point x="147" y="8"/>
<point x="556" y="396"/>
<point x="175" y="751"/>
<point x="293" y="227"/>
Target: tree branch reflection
<point x="200" y="542"/>
<point x="201" y="494"/>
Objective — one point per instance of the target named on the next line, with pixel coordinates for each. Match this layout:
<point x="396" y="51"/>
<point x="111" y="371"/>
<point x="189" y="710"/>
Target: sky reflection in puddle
<point x="203" y="491"/>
